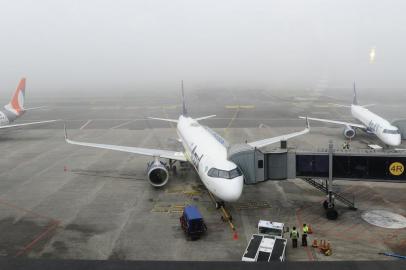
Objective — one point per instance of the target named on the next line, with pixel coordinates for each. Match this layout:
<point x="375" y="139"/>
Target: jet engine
<point x="349" y="132"/>
<point x="157" y="173"/>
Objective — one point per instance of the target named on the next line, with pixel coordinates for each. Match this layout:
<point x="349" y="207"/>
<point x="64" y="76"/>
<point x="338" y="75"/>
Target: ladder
<point x="323" y="188"/>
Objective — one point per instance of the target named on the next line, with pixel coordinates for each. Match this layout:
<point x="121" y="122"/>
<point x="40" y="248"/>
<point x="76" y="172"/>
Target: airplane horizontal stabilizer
<point x="28" y="124"/>
<point x="164" y="119"/>
<point x="205" y="117"/>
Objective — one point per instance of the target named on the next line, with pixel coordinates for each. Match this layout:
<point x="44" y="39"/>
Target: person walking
<point x="304" y="235"/>
<point x="294" y="235"/>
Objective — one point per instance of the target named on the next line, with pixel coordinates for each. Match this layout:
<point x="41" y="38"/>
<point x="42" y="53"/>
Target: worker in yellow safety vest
<point x="304" y="235"/>
<point x="294" y="235"/>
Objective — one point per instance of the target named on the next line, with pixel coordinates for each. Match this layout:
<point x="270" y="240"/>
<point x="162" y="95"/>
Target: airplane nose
<point x="394" y="140"/>
<point x="234" y="190"/>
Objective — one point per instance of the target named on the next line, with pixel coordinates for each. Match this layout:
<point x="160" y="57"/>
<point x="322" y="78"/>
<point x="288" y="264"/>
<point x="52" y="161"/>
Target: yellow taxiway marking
<point x="168" y="208"/>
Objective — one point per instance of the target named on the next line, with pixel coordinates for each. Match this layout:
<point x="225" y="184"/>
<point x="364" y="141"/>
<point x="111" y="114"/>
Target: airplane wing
<point x="35" y="108"/>
<point x="27" y="124"/>
<point x="134" y="150"/>
<point x="336" y="122"/>
<point x="268" y="141"/>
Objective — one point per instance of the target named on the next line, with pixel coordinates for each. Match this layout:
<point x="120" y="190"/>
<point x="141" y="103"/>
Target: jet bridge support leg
<point x="328" y="204"/>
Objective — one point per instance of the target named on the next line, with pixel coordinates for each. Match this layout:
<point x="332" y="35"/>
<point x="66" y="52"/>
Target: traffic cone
<point x="235" y="236"/>
<point x="322" y="246"/>
<point x="315" y="243"/>
<point x="328" y="246"/>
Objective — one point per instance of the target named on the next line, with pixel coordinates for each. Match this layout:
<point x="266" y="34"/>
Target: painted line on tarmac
<point x="87" y="123"/>
<point x="122" y="124"/>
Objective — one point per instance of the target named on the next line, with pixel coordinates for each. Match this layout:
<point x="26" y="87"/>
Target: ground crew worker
<point x="346" y="145"/>
<point x="294" y="234"/>
<point x="304" y="235"/>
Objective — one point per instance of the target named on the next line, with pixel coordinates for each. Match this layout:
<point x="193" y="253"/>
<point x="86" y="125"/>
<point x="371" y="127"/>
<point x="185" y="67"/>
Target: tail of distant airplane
<point x="184" y="111"/>
<point x="355" y="101"/>
<point x="16" y="105"/>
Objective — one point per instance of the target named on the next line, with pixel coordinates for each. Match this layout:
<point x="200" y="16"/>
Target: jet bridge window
<point x="260" y="164"/>
<point x="391" y="131"/>
<point x="213" y="172"/>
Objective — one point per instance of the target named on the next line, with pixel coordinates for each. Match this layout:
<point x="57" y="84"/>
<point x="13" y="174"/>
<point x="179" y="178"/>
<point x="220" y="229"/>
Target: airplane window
<point x="223" y="174"/>
<point x="234" y="173"/>
<point x="390" y="131"/>
<point x="213" y="172"/>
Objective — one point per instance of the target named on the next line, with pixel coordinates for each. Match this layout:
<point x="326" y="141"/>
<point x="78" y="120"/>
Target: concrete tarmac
<point x="65" y="201"/>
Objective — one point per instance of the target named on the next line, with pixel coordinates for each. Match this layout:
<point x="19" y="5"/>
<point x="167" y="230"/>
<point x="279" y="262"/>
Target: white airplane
<point x="369" y="122"/>
<point x="206" y="150"/>
<point x="15" y="108"/>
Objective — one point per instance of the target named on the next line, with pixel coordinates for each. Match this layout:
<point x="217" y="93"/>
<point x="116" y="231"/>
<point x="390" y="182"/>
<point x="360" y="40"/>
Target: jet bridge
<point x="320" y="167"/>
<point x="284" y="163"/>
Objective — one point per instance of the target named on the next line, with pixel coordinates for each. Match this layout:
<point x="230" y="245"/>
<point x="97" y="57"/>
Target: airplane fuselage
<point x="207" y="152"/>
<point x="375" y="124"/>
<point x="6" y="117"/>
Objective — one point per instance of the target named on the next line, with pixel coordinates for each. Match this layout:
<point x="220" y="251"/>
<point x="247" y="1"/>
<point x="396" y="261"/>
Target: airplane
<point x="15" y="108"/>
<point x="204" y="149"/>
<point x="369" y="122"/>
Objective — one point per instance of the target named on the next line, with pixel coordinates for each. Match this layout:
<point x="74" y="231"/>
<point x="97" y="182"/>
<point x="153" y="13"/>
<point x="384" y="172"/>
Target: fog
<point x="127" y="45"/>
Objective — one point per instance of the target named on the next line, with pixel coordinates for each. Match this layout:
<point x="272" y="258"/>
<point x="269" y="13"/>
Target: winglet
<point x="355" y="101"/>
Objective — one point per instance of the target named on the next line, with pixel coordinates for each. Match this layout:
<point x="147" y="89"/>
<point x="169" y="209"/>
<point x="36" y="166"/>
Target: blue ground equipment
<point x="192" y="222"/>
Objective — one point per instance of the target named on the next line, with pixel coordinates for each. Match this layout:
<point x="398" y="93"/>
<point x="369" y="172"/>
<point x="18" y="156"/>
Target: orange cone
<point x="315" y="243"/>
<point x="235" y="236"/>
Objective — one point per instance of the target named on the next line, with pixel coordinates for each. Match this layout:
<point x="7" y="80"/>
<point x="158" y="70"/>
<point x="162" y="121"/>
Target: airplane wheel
<point x="332" y="214"/>
<point x="219" y="205"/>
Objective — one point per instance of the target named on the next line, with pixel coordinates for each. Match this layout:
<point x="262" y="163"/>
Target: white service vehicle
<point x="268" y="244"/>
<point x="271" y="228"/>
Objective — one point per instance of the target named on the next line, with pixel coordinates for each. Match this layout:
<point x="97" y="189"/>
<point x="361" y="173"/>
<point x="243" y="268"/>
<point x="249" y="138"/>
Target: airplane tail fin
<point x="16" y="105"/>
<point x="184" y="111"/>
<point x="355" y="100"/>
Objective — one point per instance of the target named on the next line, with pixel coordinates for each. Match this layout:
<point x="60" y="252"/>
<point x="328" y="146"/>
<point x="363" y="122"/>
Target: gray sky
<point x="62" y="45"/>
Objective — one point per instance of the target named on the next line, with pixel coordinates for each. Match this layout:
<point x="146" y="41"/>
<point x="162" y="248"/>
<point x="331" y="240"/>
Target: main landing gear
<point x="328" y="205"/>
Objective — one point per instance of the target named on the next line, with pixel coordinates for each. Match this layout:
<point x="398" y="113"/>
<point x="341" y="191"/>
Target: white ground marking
<point x="384" y="219"/>
<point x="122" y="124"/>
<point x="87" y="123"/>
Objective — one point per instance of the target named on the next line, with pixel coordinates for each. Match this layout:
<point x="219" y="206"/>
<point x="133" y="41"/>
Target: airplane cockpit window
<point x="213" y="172"/>
<point x="391" y="131"/>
